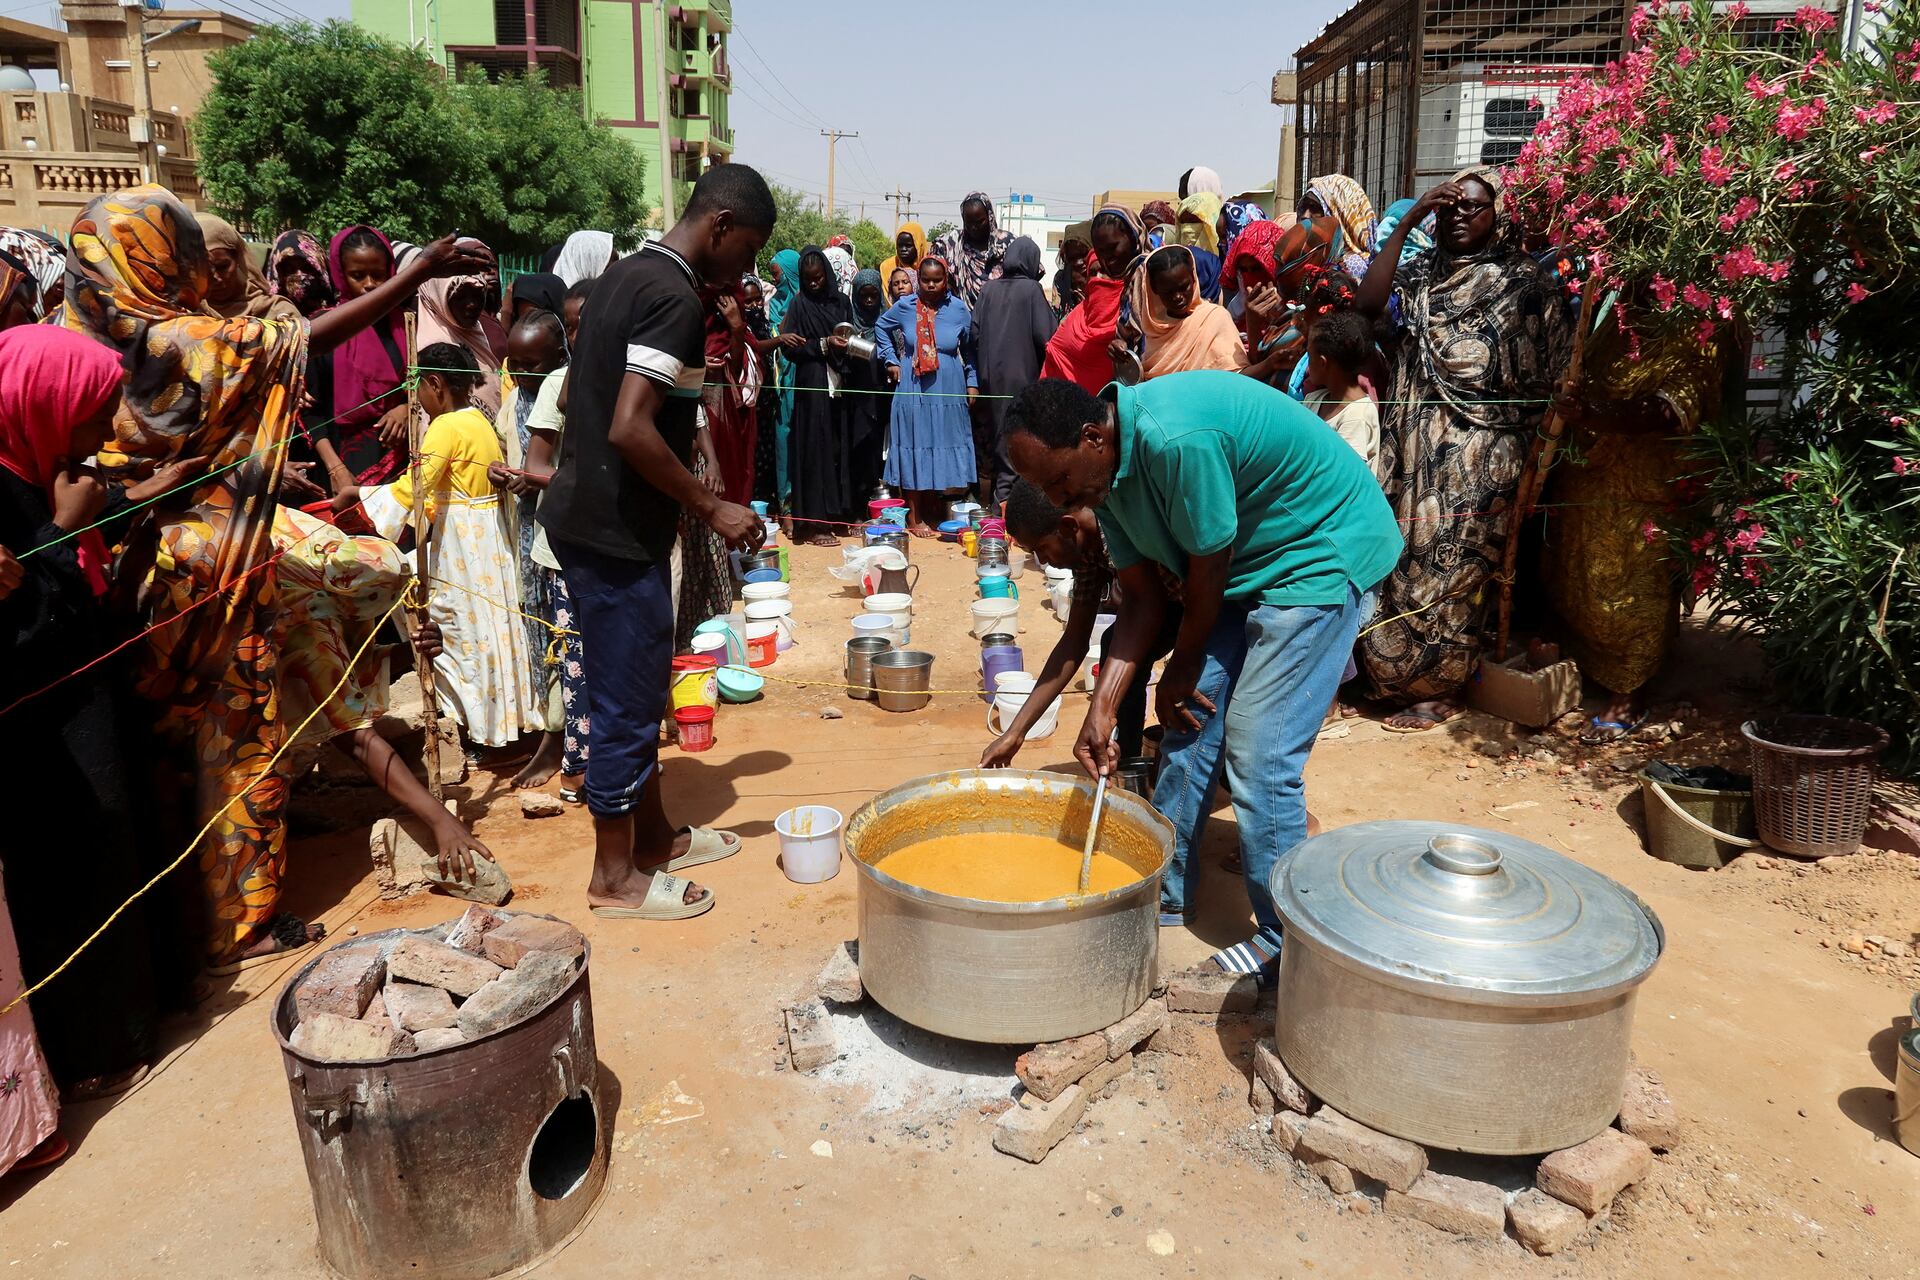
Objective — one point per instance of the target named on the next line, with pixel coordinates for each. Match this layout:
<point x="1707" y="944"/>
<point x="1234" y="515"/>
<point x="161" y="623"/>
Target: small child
<point x="1336" y="349"/>
<point x="482" y="675"/>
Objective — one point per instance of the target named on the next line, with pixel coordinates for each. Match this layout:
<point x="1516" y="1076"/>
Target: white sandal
<point x="665" y="900"/>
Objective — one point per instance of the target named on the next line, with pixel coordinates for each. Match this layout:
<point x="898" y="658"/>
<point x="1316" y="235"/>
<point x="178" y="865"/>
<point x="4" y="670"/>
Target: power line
<point x="785" y="117"/>
<point x="762" y="60"/>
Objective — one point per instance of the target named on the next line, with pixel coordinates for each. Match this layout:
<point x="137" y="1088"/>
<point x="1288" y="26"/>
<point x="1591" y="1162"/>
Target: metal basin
<point x="1006" y="972"/>
<point x="1459" y="988"/>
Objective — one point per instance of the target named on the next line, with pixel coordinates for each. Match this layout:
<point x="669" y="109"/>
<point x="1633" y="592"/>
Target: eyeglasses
<point x="1471" y="208"/>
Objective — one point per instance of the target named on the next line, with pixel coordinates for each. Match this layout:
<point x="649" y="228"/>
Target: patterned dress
<point x="1485" y="336"/>
<point x="227" y="389"/>
<point x="335" y="589"/>
<point x="29" y="1101"/>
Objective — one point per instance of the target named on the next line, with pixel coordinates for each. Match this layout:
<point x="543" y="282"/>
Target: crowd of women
<point x="212" y="465"/>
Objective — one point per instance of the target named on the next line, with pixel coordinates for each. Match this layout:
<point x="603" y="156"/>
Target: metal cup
<point x="1136" y="775"/>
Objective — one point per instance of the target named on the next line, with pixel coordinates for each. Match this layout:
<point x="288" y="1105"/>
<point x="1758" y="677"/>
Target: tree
<point x="325" y="126"/>
<point x="549" y="170"/>
<point x="798" y="224"/>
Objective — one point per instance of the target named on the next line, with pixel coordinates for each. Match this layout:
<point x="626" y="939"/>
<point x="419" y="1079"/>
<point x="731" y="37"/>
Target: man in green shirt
<point x="1278" y="532"/>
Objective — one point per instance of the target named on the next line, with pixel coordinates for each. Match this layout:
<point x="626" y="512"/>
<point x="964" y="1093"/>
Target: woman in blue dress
<point x="927" y="341"/>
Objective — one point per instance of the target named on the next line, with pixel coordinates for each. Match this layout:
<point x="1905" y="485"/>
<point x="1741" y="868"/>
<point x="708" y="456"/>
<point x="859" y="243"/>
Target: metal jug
<point x="896" y="580"/>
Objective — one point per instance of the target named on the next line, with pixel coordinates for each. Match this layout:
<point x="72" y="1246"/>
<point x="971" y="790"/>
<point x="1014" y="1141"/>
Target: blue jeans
<point x="623" y="610"/>
<point x="1271" y="672"/>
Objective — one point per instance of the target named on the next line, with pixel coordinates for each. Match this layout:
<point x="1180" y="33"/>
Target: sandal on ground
<point x="289" y="931"/>
<point x="705" y="844"/>
<point x="1251" y="958"/>
<point x="52" y="1150"/>
<point x="94" y="1088"/>
<point x="574" y="795"/>
<point x="1604" y="733"/>
<point x="1427" y="720"/>
<point x="665" y="900"/>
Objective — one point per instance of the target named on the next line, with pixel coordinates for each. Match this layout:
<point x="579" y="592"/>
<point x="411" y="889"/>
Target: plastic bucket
<point x="1696" y="826"/>
<point x="763" y="642"/>
<point x="897" y="605"/>
<point x="949" y="530"/>
<point x="996" y="661"/>
<point x="990" y="616"/>
<point x="878" y="508"/>
<point x="696" y="727"/>
<point x="780" y="614"/>
<point x="755" y="576"/>
<point x="1015" y="688"/>
<point x="756" y="591"/>
<point x="693" y="683"/>
<point x="809" y="843"/>
<point x="969" y="543"/>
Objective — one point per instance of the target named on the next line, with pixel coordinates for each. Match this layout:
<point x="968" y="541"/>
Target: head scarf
<point x="926" y="346"/>
<point x="839" y="242"/>
<point x="1346" y="202"/>
<point x="895" y="273"/>
<point x="867" y="317"/>
<point x="1206" y="272"/>
<point x="1200" y="178"/>
<point x="1238" y="214"/>
<point x="43" y="259"/>
<point x="1022" y="259"/>
<point x="300" y="246"/>
<point x="787" y="290"/>
<point x="1204" y="208"/>
<point x="971" y="266"/>
<point x="1419" y="238"/>
<point x="1132" y="223"/>
<point x="815" y="311"/>
<point x="1078" y="349"/>
<point x="1155" y="212"/>
<point x="1287" y="254"/>
<point x="255" y="299"/>
<point x="366" y="382"/>
<point x="1506" y="232"/>
<point x="540" y="289"/>
<point x="52" y="380"/>
<point x="196" y="385"/>
<point x="919" y="236"/>
<point x="15" y="278"/>
<point x="584" y="256"/>
<point x="1205" y="338"/>
<point x="841" y="267"/>
<point x="485" y="339"/>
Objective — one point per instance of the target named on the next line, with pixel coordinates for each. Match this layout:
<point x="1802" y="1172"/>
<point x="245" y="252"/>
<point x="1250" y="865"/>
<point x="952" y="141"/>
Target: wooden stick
<point x="1533" y="477"/>
<point x="429" y="701"/>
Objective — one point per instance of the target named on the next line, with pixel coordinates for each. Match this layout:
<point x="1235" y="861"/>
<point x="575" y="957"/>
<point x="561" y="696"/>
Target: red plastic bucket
<point x="696" y="727"/>
<point x="761" y="650"/>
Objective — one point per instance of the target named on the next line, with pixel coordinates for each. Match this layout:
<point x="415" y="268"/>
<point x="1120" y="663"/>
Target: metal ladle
<point x="1093" y="825"/>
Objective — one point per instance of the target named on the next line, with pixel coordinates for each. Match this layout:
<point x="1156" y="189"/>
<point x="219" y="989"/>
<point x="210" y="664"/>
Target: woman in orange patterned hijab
<point x="226" y="390"/>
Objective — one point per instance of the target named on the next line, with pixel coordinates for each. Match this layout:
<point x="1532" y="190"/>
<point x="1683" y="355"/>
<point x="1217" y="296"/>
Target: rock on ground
<point x="1646" y="1112"/>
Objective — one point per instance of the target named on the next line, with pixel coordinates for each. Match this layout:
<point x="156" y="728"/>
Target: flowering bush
<point x="1724" y="186"/>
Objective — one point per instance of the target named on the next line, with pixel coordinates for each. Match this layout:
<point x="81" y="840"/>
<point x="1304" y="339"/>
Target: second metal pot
<point x="902" y="677"/>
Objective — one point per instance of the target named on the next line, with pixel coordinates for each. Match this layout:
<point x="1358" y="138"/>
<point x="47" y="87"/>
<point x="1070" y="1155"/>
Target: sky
<point x="1057" y="100"/>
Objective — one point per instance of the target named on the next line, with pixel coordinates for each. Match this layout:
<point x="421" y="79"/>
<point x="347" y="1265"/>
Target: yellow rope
<point x="167" y="870"/>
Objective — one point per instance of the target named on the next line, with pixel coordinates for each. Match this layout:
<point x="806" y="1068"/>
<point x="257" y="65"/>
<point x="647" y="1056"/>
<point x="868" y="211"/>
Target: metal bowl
<point x="1007" y="972"/>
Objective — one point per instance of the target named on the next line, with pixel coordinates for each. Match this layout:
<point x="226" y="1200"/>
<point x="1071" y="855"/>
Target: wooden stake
<point x="429" y="702"/>
<point x="1533" y="477"/>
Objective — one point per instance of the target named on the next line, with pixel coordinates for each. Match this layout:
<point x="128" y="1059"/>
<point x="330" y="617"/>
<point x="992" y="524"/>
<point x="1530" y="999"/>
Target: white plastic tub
<point x="809" y="843"/>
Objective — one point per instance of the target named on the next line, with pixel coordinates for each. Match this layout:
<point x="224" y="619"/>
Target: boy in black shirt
<point x="611" y="515"/>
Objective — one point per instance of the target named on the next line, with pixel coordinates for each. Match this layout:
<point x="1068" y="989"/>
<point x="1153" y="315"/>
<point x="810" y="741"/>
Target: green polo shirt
<point x="1210" y="460"/>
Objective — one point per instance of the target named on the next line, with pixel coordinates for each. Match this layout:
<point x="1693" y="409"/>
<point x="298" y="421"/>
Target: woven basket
<point x="1813" y="781"/>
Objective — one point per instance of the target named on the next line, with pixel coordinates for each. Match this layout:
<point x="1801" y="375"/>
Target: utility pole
<point x="833" y="137"/>
<point x="140" y="127"/>
<point x="902" y="205"/>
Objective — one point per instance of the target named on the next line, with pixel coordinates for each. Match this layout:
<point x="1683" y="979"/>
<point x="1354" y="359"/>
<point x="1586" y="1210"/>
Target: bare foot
<point x="284" y="933"/>
<point x="545" y="763"/>
<point x="1422" y="716"/>
<point x="922" y="530"/>
<point x="823" y="540"/>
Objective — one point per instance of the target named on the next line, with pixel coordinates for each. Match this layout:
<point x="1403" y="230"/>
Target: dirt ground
<point x="1773" y="1036"/>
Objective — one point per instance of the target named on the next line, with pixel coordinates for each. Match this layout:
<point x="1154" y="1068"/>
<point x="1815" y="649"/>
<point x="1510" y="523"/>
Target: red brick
<point x="417" y="1008"/>
<point x="1338" y="1177"/>
<point x="810" y="1040"/>
<point x="1209" y="989"/>
<point x="508" y="945"/>
<point x="1590" y="1175"/>
<point x="437" y="965"/>
<point x="839" y="982"/>
<point x="1287" y="1091"/>
<point x="331" y="1038"/>
<point x="1646" y="1112"/>
<point x="1047" y="1069"/>
<point x="1394" y="1161"/>
<point x="1459" y="1205"/>
<point x="343" y="983"/>
<point x="1030" y="1131"/>
<point x="1139" y="1026"/>
<point x="1543" y="1224"/>
<point x="472" y="927"/>
<point x="517" y="994"/>
<point x="1287" y="1128"/>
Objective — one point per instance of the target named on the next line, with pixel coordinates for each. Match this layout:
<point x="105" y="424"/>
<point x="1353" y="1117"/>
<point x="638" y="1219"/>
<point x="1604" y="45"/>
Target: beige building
<point x="59" y="148"/>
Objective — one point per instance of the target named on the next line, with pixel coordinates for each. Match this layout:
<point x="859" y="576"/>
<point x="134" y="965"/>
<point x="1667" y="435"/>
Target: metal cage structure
<point x="1401" y="94"/>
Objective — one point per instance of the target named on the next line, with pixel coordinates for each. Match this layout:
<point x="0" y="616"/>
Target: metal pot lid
<point x="1480" y="913"/>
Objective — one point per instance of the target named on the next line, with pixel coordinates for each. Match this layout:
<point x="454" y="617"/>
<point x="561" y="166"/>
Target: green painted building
<point x="608" y="49"/>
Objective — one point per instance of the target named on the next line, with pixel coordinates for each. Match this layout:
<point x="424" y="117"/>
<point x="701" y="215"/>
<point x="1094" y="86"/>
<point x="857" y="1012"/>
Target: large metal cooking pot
<point x="1457" y="987"/>
<point x="1007" y="972"/>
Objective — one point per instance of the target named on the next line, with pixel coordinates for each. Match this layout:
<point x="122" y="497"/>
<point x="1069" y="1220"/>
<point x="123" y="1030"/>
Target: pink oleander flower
<point x="1737" y="10"/>
<point x="1785" y="172"/>
<point x="1713" y="167"/>
<point x="1856" y="294"/>
<point x="1704" y="543"/>
<point x="1790" y="479"/>
<point x="1703" y="574"/>
<point x="1739" y="264"/>
<point x="1871" y="153"/>
<point x="1685" y="55"/>
<point x="1760" y="90"/>
<point x="1719" y="125"/>
<point x="1795" y="122"/>
<point x="1705" y="333"/>
<point x="1696" y="297"/>
<point x="1813" y="21"/>
<point x="1751" y="567"/>
<point x="1901" y="466"/>
<point x="1662" y="290"/>
<point x="1649" y="531"/>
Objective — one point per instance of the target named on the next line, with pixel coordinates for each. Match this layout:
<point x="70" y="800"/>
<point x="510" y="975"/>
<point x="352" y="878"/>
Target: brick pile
<point x="1572" y="1189"/>
<point x="434" y="988"/>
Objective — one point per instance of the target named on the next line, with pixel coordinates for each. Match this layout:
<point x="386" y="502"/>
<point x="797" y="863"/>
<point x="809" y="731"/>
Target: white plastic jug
<point x="1011" y="694"/>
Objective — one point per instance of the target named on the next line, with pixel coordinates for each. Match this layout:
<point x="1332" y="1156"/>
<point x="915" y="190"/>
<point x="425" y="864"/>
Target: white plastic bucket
<point x="997" y="614"/>
<point x="897" y="605"/>
<point x="1011" y="694"/>
<point x="1101" y="621"/>
<point x="754" y="592"/>
<point x="809" y="843"/>
<point x="780" y="614"/>
<point x="873" y="624"/>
